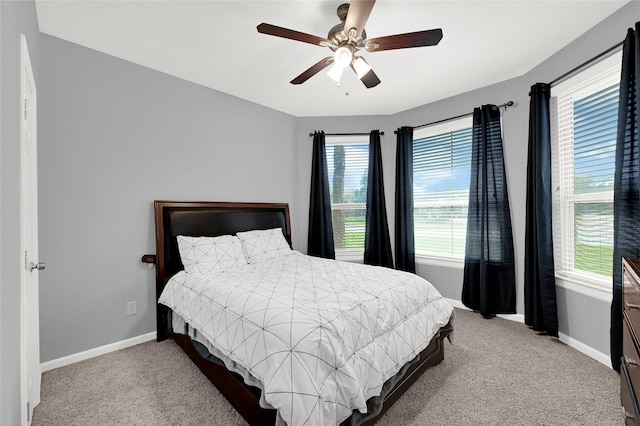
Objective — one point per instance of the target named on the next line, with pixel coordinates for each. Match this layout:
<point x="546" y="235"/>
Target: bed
<point x="235" y="381"/>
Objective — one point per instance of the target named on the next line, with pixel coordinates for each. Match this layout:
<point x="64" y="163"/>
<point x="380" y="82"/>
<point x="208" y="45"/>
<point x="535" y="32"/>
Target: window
<point x="441" y="175"/>
<point x="348" y="163"/>
<point x="584" y="128"/>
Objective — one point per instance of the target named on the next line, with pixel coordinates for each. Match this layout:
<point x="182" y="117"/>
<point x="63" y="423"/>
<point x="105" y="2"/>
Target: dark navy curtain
<point x="489" y="271"/>
<point x="540" y="306"/>
<point x="404" y="237"/>
<point x="377" y="244"/>
<point x="626" y="189"/>
<point x="320" y="238"/>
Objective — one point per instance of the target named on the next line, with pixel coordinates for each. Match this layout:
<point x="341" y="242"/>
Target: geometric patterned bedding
<point x="321" y="336"/>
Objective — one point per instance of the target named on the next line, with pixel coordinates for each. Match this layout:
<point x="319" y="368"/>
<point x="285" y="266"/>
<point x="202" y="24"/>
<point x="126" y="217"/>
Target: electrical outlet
<point x="131" y="308"/>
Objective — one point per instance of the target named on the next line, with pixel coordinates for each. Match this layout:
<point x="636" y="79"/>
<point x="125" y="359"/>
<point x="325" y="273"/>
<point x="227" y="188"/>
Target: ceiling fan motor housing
<point x="342" y="11"/>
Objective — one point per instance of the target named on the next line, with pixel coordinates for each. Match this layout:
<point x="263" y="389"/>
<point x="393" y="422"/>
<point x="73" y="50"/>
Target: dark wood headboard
<point x="205" y="219"/>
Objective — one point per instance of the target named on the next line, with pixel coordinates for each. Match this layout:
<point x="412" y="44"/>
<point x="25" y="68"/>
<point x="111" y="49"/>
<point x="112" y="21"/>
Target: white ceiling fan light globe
<point x="335" y="73"/>
<point x="342" y="56"/>
<point x="361" y="66"/>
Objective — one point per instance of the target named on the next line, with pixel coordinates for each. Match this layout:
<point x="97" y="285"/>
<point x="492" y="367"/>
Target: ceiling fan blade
<point x="370" y="79"/>
<point x="359" y="11"/>
<point x="291" y="34"/>
<point x="402" y="41"/>
<point x="315" y="69"/>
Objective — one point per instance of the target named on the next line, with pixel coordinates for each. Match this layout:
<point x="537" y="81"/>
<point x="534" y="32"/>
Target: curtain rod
<point x="504" y="105"/>
<point x="347" y="134"/>
<point x="584" y="64"/>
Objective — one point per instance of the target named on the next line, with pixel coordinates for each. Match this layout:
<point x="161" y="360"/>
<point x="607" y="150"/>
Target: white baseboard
<point x="602" y="358"/>
<point x="91" y="353"/>
<point x="568" y="340"/>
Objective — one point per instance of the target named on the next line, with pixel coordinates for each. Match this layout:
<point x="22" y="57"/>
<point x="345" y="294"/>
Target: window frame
<point x="348" y="254"/>
<point x="592" y="284"/>
<point x="457" y="124"/>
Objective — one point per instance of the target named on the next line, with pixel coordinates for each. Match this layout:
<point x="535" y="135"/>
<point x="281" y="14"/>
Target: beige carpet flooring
<point x="496" y="372"/>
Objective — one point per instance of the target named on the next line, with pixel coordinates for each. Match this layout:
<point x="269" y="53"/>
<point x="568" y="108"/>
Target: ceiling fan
<point x="347" y="38"/>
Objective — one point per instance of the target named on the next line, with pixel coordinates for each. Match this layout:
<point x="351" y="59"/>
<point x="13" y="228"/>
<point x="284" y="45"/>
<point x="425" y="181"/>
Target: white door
<point x="30" y="370"/>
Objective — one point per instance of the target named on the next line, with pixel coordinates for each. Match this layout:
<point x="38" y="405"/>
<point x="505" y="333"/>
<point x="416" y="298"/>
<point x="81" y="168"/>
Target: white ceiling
<point x="216" y="44"/>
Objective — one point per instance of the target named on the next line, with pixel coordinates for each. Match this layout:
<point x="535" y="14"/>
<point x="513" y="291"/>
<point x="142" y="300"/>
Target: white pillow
<point x="264" y="245"/>
<point x="210" y="254"/>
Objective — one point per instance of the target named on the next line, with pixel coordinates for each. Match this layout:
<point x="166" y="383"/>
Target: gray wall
<point x="16" y="17"/>
<point x="114" y="136"/>
<point x="580" y="317"/>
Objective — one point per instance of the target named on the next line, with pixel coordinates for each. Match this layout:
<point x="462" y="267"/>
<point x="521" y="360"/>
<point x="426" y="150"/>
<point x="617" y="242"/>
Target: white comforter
<point x="321" y="336"/>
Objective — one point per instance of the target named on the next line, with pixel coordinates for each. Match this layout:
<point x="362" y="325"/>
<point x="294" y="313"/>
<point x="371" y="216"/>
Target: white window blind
<point x="441" y="175"/>
<point x="584" y="129"/>
<point x="348" y="163"/>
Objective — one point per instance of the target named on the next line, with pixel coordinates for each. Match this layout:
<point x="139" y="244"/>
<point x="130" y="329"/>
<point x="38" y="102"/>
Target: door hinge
<point x="26" y="263"/>
<point x="28" y="412"/>
<point x="26" y="108"/>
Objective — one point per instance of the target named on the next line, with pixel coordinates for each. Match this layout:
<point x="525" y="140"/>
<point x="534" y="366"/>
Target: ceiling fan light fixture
<point x="342" y="56"/>
<point x="361" y="67"/>
<point x="335" y="73"/>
